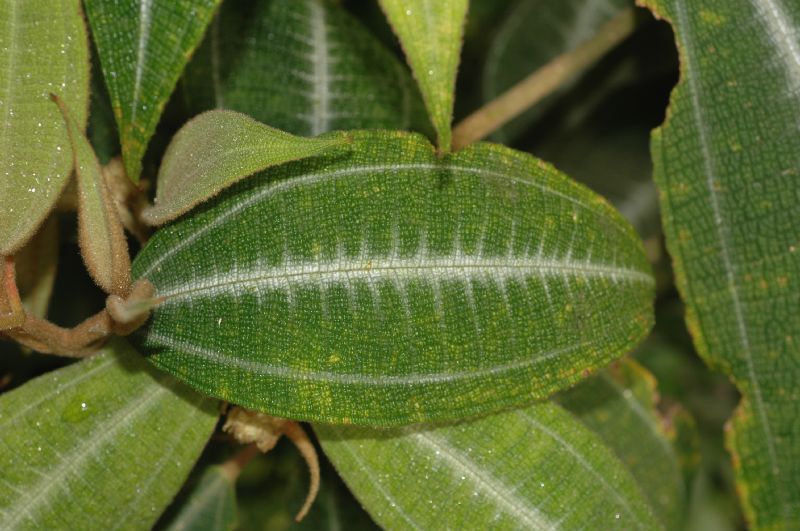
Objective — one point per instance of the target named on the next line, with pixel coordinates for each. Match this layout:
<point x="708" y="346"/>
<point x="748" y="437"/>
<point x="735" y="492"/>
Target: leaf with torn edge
<point x="533" y="468"/>
<point x="727" y="168"/>
<point x="430" y="32"/>
<point x="106" y="432"/>
<point x="100" y="233"/>
<point x="218" y="148"/>
<point x="387" y="285"/>
<point x="44" y="49"/>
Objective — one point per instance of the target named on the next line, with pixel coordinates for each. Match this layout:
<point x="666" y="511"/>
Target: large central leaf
<point x="387" y="285"/>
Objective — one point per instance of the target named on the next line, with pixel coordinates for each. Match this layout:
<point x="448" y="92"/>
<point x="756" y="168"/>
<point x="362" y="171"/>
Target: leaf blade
<point x="431" y="32"/>
<point x="306" y="67"/>
<point x="406" y="272"/>
<point x="145" y="31"/>
<point x="535" y="468"/>
<point x="731" y="226"/>
<point x="74" y="427"/>
<point x="218" y="148"/>
<point x="45" y="49"/>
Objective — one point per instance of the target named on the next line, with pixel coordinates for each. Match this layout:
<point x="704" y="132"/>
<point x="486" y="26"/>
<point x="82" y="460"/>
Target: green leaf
<point x="306" y="67"/>
<point x="387" y="285"/>
<point x="209" y="506"/>
<point x="100" y="234"/>
<point x="727" y="168"/>
<point x="430" y="32"/>
<point x="532" y="34"/>
<point x="103" y="443"/>
<point x="218" y="148"/>
<point x="44" y="49"/>
<point x="619" y="405"/>
<point x="36" y="266"/>
<point x="143" y="47"/>
<point x="536" y="468"/>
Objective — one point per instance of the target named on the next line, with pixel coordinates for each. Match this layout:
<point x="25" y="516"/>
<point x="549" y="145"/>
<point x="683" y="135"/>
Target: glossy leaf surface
<point x="619" y="405"/>
<point x="218" y="148"/>
<point x="727" y="166"/>
<point x="143" y="47"/>
<point x="534" y="468"/>
<point x="107" y="432"/>
<point x="209" y="506"/>
<point x="303" y="66"/>
<point x="386" y="285"/>
<point x="44" y="50"/>
<point x="534" y="33"/>
<point x="100" y="233"/>
<point x="430" y="32"/>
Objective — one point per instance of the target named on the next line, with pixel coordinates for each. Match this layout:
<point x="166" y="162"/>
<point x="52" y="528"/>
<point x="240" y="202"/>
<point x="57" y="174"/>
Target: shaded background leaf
<point x="306" y="67"/>
<point x="726" y="166"/>
<point x="105" y="432"/>
<point x="534" y="468"/>
<point x="45" y="50"/>
<point x="143" y="47"/>
<point x="388" y="285"/>
<point x="209" y="505"/>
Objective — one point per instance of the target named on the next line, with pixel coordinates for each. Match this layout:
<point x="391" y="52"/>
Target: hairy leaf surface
<point x="143" y="47"/>
<point x="533" y="468"/>
<point x="727" y="166"/>
<point x="386" y="285"/>
<point x="44" y="50"/>
<point x="78" y="440"/>
<point x="303" y="66"/>
<point x="619" y="405"/>
<point x="431" y="32"/>
<point x="218" y="148"/>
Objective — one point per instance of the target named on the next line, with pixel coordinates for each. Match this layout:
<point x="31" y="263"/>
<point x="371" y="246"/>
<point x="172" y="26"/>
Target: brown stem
<point x="298" y="436"/>
<point x="542" y="82"/>
<point x="234" y="466"/>
<point x="129" y="200"/>
<point x="11" y="312"/>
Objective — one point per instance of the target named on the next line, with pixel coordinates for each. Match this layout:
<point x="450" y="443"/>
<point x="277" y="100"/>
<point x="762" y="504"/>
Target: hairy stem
<point x="542" y="82"/>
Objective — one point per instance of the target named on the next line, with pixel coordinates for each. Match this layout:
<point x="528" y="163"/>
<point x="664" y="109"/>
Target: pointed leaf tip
<point x="431" y="33"/>
<point x="218" y="148"/>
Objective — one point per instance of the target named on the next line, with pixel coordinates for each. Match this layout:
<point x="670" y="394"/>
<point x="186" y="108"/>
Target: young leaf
<point x="44" y="49"/>
<point x="218" y="148"/>
<point x="532" y="34"/>
<point x="430" y="32"/>
<point x="100" y="233"/>
<point x="209" y="506"/>
<point x="100" y="442"/>
<point x="619" y="405"/>
<point x="387" y="285"/>
<point x="727" y="168"/>
<point x="535" y="468"/>
<point x="143" y="46"/>
<point x="307" y="67"/>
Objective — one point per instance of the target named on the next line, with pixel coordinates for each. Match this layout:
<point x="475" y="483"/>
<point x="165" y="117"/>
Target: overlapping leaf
<point x="386" y="285"/>
<point x="143" y="47"/>
<point x="218" y="148"/>
<point x="103" y="443"/>
<point x="430" y="32"/>
<point x="303" y="66"/>
<point x="44" y="50"/>
<point x="726" y="163"/>
<point x="619" y="405"/>
<point x="534" y="468"/>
